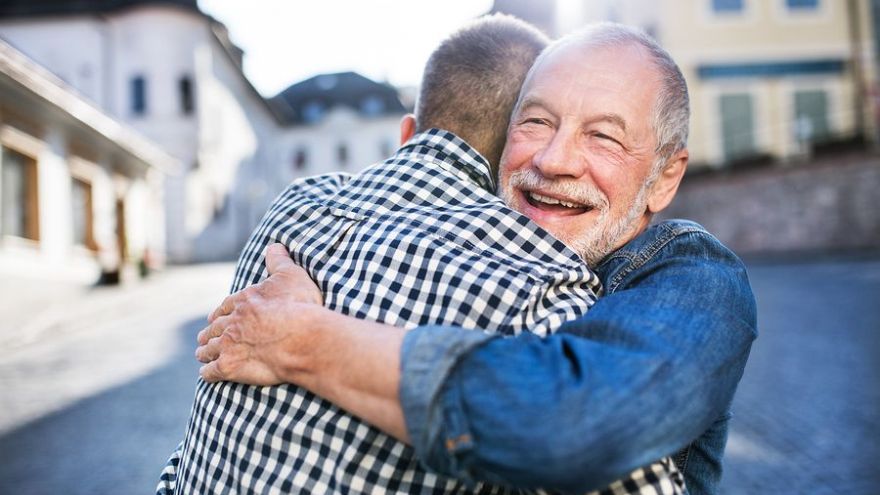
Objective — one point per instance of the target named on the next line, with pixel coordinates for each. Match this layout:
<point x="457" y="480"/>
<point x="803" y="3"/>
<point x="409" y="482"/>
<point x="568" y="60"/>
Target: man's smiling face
<point x="580" y="146"/>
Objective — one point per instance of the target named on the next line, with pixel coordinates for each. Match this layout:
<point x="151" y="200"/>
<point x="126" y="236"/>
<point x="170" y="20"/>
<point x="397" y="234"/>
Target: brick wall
<point x="826" y="206"/>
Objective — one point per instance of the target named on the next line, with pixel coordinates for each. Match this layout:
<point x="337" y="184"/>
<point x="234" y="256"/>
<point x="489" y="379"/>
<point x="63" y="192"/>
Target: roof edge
<point x="57" y="93"/>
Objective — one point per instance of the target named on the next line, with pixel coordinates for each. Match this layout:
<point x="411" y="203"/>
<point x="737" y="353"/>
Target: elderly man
<point x="417" y="239"/>
<point x="596" y="146"/>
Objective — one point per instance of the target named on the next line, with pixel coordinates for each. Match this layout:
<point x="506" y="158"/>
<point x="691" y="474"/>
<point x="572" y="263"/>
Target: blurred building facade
<point x="341" y="121"/>
<point x="81" y="193"/>
<point x="172" y="73"/>
<point x="774" y="78"/>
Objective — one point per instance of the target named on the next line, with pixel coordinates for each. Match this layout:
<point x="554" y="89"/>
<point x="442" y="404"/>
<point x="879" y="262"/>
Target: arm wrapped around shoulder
<point x="644" y="373"/>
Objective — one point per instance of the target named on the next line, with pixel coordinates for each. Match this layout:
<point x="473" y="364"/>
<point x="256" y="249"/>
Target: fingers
<point x="287" y="279"/>
<point x="215" y="329"/>
<point x="211" y="372"/>
<point x="277" y="258"/>
<point x="209" y="351"/>
<point x="226" y="307"/>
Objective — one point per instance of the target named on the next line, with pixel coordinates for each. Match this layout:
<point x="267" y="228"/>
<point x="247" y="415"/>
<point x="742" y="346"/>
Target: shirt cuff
<point x="428" y="356"/>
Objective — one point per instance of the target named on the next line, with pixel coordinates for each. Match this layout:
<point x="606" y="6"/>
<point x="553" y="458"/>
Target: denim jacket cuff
<point x="428" y="356"/>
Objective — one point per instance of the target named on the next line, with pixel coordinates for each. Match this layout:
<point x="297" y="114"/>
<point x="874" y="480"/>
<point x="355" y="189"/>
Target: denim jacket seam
<point x="640" y="257"/>
<point x="685" y="455"/>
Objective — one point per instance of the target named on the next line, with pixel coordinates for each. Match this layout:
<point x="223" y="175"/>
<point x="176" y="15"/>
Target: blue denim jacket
<point x="649" y="371"/>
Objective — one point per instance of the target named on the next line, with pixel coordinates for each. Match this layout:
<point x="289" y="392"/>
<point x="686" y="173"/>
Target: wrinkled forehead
<point x="624" y="70"/>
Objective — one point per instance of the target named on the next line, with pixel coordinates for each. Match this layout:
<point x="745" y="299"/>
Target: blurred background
<point x="141" y="142"/>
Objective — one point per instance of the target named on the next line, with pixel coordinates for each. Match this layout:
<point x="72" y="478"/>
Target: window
<point x="82" y="214"/>
<point x="312" y="112"/>
<point x="187" y="100"/>
<point x="342" y="155"/>
<point x="138" y="95"/>
<point x="737" y="126"/>
<point x="811" y="116"/>
<point x="372" y="106"/>
<point x="727" y="6"/>
<point x="326" y="82"/>
<point x="802" y="4"/>
<point x="300" y="159"/>
<point x="19" y="195"/>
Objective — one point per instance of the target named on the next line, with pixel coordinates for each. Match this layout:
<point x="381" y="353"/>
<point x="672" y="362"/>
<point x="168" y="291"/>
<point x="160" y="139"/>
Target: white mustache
<point x="568" y="190"/>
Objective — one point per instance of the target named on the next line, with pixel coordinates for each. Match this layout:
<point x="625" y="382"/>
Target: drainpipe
<point x="858" y="70"/>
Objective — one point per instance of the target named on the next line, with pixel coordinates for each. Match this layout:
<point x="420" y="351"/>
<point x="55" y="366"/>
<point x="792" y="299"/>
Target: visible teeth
<point x="553" y="201"/>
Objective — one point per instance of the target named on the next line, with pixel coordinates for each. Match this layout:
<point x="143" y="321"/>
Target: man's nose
<point x="560" y="157"/>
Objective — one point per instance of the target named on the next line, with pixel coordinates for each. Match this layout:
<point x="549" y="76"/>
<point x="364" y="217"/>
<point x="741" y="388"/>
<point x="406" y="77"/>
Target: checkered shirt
<point x="415" y="240"/>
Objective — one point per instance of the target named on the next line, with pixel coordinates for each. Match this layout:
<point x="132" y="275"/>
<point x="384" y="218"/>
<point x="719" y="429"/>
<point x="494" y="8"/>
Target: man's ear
<point x="667" y="184"/>
<point x="407" y="128"/>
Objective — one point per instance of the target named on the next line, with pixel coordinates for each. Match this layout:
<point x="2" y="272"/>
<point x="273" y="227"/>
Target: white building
<point x="171" y="72"/>
<point x="338" y="121"/>
<point x="80" y="193"/>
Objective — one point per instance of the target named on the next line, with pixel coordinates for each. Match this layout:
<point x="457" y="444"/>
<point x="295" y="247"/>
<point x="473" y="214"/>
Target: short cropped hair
<point x="472" y="81"/>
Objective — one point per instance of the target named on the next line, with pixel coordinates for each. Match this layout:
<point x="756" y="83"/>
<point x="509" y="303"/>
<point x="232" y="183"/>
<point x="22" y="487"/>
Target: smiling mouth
<point x="551" y="204"/>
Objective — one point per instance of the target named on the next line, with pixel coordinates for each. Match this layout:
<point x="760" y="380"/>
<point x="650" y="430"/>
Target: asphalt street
<point x="97" y="383"/>
<point x="807" y="413"/>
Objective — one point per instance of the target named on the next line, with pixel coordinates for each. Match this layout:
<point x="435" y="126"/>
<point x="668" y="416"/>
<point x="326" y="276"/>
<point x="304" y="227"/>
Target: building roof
<point x="307" y="101"/>
<point x="21" y="9"/>
<point x="38" y="8"/>
<point x="25" y="9"/>
<point x="302" y="103"/>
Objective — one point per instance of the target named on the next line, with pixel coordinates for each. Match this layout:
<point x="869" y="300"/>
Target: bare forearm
<point x="356" y="365"/>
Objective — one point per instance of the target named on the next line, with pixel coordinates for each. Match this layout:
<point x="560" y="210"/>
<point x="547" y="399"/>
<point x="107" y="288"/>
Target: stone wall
<point x="831" y="205"/>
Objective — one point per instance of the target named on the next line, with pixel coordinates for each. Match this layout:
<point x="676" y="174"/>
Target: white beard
<point x="605" y="234"/>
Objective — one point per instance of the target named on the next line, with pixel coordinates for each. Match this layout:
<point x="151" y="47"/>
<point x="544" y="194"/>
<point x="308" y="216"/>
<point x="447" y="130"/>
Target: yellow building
<point x="772" y="77"/>
<point x="767" y="78"/>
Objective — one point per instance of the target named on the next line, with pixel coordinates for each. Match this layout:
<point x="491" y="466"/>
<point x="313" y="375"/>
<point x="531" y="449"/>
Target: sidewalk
<point x="62" y="342"/>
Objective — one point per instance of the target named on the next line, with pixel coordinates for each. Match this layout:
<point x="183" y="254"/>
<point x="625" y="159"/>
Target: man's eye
<point x="605" y="137"/>
<point x="535" y="120"/>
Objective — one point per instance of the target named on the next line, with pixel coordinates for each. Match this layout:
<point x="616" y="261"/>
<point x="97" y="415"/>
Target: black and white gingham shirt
<point x="417" y="239"/>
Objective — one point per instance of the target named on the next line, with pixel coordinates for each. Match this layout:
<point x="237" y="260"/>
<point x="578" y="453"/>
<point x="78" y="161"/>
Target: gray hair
<point x="671" y="113"/>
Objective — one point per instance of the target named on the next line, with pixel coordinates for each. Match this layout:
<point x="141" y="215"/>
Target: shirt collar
<point x="450" y="149"/>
